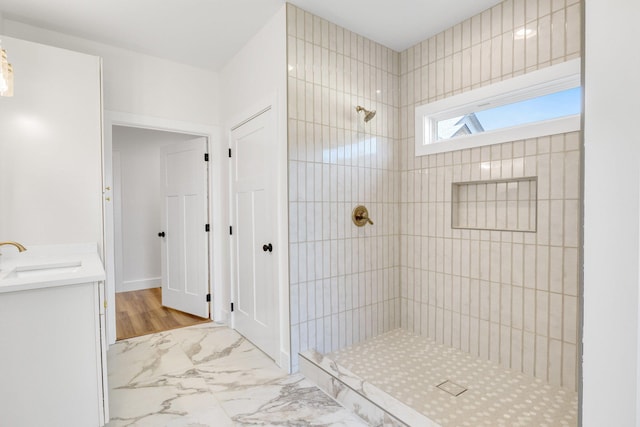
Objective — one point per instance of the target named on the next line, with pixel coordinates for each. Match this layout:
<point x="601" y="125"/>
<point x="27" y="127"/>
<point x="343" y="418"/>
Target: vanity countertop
<point x="49" y="266"/>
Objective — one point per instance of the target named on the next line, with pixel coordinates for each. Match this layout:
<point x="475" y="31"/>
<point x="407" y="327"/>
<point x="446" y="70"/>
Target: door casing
<point x="217" y="195"/>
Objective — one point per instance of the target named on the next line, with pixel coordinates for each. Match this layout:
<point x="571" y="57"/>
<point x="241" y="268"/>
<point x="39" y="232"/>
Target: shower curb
<point x="357" y="395"/>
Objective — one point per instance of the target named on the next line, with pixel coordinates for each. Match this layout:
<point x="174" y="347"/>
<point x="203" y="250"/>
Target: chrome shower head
<point x="368" y="115"/>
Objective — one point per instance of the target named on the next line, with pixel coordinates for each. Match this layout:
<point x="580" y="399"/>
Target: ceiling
<point x="207" y="33"/>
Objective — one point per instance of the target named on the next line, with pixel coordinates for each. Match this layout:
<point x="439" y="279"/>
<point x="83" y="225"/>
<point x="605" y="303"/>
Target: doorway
<point x="217" y="199"/>
<point x="160" y="209"/>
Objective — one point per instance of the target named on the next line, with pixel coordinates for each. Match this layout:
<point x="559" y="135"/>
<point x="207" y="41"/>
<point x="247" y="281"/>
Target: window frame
<point x="546" y="81"/>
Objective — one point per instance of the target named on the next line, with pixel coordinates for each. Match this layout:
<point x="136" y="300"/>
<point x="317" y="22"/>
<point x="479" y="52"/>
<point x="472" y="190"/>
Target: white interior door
<point x="185" y="278"/>
<point x="254" y="232"/>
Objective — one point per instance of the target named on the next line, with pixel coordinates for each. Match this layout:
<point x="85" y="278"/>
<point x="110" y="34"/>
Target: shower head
<point x="368" y="115"/>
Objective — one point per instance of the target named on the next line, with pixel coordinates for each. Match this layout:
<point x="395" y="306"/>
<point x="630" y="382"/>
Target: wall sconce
<point x="6" y="75"/>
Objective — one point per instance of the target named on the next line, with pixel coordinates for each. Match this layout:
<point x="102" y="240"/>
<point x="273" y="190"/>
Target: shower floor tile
<point x="410" y="367"/>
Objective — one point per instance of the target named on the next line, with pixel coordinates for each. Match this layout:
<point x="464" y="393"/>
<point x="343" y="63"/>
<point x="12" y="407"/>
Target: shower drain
<point x="452" y="388"/>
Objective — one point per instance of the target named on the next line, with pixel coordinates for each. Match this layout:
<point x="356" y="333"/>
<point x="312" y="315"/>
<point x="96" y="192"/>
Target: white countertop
<point x="49" y="266"/>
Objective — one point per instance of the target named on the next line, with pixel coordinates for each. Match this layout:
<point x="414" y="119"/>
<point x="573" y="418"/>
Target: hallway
<point x="141" y="313"/>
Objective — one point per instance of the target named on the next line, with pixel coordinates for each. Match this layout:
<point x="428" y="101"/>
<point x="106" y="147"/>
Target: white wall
<point x="257" y="72"/>
<point x="140" y="84"/>
<point x="50" y="136"/>
<point x="611" y="214"/>
<point x="252" y="80"/>
<point x="153" y="92"/>
<point x="140" y="200"/>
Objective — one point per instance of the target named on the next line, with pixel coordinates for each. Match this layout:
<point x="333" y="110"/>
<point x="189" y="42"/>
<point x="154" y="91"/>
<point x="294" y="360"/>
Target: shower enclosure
<point x="419" y="322"/>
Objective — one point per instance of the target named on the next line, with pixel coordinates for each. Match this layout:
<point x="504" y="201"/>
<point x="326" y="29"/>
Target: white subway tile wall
<point x="509" y="297"/>
<point x="344" y="279"/>
<point x="506" y="296"/>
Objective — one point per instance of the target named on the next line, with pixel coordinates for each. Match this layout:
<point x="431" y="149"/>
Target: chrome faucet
<point x="16" y="244"/>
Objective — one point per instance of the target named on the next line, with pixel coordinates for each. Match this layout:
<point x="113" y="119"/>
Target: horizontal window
<point x="543" y="102"/>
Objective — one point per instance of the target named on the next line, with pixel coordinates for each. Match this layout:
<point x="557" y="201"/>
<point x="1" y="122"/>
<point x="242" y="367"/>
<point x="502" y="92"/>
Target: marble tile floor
<point x="209" y="375"/>
<point x="410" y="367"/>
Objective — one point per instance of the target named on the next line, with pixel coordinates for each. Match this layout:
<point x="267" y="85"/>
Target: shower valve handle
<point x="360" y="216"/>
<point x="364" y="217"/>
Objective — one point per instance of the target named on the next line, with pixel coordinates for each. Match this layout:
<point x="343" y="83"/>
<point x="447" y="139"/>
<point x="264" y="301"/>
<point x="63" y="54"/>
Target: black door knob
<point x="268" y="247"/>
<point x="161" y="234"/>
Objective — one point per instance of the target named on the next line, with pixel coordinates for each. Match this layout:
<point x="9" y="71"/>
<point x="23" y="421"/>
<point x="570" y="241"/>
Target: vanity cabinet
<point x="52" y="349"/>
<point x="52" y="357"/>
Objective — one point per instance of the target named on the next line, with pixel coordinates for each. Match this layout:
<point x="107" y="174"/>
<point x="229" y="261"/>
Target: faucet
<point x="16" y="244"/>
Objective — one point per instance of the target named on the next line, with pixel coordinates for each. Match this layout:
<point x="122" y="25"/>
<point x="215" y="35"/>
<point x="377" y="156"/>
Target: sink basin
<point x="39" y="270"/>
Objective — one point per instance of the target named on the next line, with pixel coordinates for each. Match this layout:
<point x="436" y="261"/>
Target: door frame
<point x="216" y="194"/>
<point x="278" y="105"/>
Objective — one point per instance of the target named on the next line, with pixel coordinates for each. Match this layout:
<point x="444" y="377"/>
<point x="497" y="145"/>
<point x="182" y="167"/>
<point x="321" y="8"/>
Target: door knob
<point x="161" y="234"/>
<point x="268" y="247"/>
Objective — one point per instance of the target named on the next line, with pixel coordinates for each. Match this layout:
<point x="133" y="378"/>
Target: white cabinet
<point x="52" y="357"/>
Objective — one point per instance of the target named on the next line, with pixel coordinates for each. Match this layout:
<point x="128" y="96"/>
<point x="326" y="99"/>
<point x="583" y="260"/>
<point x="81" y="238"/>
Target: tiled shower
<point x="449" y="256"/>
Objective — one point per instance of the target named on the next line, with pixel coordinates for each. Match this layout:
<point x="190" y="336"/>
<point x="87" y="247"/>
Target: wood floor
<point x="141" y="313"/>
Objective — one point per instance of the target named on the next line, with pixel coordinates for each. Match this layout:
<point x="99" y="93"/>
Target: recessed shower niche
<point x="502" y="204"/>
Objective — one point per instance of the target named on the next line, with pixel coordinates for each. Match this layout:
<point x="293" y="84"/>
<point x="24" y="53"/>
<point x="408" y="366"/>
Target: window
<point x="543" y="102"/>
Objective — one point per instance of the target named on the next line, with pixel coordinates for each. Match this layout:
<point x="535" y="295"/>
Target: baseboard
<point x="223" y="318"/>
<point x="285" y="361"/>
<point x="136" y="285"/>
